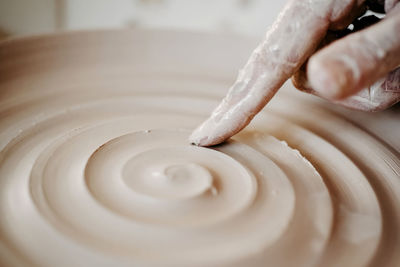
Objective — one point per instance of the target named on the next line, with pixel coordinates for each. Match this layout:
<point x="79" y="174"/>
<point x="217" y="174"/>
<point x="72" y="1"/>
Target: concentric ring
<point x="96" y="169"/>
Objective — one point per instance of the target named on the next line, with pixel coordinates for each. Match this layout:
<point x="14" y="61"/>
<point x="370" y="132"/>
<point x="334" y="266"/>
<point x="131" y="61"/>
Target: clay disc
<point x="96" y="168"/>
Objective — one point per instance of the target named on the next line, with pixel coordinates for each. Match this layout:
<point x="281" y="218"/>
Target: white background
<point x="248" y="17"/>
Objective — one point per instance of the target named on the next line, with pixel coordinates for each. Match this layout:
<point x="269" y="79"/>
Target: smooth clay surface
<point x="96" y="168"/>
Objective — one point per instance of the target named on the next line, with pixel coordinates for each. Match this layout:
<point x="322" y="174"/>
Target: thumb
<point x="358" y="60"/>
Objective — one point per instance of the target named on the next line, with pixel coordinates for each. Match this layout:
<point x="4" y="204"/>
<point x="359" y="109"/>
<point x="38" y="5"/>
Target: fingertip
<point x="210" y="133"/>
<point x="329" y="78"/>
<point x="199" y="142"/>
<point x="201" y="135"/>
<point x="196" y="139"/>
<point x="204" y="141"/>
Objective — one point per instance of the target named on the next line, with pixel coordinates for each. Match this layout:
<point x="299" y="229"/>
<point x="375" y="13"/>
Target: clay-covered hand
<point x="357" y="68"/>
<point x="358" y="71"/>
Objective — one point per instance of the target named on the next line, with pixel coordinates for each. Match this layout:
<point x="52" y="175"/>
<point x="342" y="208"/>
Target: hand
<point x="362" y="63"/>
<point x="349" y="72"/>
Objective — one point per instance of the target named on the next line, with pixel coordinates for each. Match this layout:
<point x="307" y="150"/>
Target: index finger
<point x="293" y="37"/>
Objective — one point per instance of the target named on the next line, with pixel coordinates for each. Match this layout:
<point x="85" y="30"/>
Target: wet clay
<point x="96" y="169"/>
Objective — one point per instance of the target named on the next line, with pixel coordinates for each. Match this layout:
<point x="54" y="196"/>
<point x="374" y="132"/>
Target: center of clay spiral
<point x="165" y="173"/>
<point x="189" y="176"/>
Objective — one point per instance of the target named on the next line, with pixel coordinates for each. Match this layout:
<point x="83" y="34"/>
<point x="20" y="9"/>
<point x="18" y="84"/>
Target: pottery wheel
<point x="96" y="168"/>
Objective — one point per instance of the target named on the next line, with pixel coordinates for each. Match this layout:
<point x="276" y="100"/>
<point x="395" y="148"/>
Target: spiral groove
<point x="98" y="171"/>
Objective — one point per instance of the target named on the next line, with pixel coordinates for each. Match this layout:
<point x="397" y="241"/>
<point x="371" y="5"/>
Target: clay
<point x="96" y="169"/>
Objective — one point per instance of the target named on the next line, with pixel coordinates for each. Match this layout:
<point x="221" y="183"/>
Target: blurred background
<point x="247" y="17"/>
